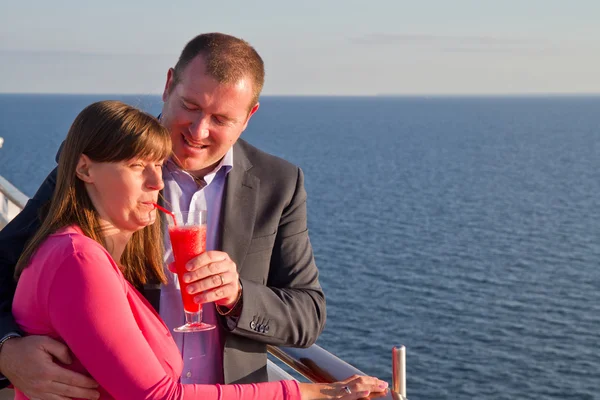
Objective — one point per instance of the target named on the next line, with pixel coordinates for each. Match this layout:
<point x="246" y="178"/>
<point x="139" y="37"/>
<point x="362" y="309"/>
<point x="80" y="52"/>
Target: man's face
<point x="205" y="118"/>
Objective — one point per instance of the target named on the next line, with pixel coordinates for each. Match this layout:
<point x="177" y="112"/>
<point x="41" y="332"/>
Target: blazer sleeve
<point x="290" y="309"/>
<point x="13" y="239"/>
<point x="88" y="307"/>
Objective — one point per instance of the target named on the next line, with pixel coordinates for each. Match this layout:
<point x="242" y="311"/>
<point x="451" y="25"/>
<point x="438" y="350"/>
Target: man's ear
<point x="83" y="168"/>
<point x="250" y="114"/>
<point x="168" y="84"/>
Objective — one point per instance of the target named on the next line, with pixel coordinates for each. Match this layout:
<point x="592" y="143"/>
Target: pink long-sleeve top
<point x="73" y="291"/>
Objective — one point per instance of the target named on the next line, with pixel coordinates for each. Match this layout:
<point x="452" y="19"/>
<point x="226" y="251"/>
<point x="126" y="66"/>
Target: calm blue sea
<point x="467" y="229"/>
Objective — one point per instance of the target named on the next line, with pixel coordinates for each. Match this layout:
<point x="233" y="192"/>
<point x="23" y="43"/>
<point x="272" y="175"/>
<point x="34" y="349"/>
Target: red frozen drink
<point x="187" y="242"/>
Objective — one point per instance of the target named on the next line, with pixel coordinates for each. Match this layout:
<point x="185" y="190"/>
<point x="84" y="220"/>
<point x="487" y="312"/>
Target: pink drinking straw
<point x="166" y="212"/>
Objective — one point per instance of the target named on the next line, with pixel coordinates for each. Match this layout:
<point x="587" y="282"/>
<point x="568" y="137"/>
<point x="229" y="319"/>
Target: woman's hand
<point x="355" y="387"/>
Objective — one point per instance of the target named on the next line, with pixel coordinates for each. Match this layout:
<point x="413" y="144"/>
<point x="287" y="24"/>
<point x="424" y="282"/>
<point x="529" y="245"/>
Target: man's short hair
<point x="228" y="60"/>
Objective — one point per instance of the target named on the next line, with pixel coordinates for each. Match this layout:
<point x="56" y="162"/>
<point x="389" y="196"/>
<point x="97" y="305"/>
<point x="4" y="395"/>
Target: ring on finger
<point x="222" y="281"/>
<point x="347" y="389"/>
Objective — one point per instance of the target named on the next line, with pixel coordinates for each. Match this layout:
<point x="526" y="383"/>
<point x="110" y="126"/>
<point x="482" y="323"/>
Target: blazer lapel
<point x="240" y="207"/>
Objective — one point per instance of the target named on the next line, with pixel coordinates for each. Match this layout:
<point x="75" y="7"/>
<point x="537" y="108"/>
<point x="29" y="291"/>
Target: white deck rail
<point x="12" y="201"/>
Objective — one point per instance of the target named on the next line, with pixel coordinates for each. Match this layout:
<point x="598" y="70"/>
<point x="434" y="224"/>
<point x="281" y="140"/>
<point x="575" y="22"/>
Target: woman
<point x="77" y="276"/>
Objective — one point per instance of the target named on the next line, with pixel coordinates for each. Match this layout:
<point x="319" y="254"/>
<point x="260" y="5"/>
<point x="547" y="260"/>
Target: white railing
<point x="12" y="201"/>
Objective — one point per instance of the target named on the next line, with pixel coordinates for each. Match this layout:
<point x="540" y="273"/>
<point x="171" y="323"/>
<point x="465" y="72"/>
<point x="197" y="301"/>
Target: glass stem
<point x="192" y="318"/>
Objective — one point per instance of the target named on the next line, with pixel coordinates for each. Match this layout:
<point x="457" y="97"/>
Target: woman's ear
<point x="83" y="169"/>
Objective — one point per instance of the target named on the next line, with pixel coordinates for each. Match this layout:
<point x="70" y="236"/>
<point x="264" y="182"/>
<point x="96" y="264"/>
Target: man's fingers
<point x="29" y="363"/>
<point x="56" y="349"/>
<point x="213" y="282"/>
<point x="72" y="378"/>
<point x="206" y="258"/>
<point x="48" y="396"/>
<point x="214" y="295"/>
<point x="213" y="268"/>
<point x="76" y="392"/>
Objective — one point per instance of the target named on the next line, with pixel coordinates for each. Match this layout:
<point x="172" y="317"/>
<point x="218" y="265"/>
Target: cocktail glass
<point x="187" y="231"/>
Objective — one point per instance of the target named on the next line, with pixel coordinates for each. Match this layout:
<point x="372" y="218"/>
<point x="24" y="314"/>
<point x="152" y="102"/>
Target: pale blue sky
<point x="309" y="47"/>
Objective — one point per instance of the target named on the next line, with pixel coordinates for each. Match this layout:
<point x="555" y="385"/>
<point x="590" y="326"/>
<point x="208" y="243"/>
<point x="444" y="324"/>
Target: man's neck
<point x="200" y="174"/>
<point x="197" y="175"/>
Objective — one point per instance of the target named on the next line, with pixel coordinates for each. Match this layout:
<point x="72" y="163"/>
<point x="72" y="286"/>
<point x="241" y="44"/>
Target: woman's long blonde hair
<point x="106" y="131"/>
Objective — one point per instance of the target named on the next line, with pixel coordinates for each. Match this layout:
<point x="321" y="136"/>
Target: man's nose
<point x="199" y="128"/>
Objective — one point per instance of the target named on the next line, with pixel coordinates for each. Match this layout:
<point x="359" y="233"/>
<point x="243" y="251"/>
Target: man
<point x="260" y="279"/>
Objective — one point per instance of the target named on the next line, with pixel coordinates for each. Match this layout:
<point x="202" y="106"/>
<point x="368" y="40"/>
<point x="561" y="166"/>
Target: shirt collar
<point x="226" y="164"/>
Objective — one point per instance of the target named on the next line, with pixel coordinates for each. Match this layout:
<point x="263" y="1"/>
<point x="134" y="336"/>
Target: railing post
<point x="399" y="370"/>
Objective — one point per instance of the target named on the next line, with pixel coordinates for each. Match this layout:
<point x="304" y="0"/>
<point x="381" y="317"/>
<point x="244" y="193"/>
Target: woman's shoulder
<point x="72" y="238"/>
<point x="69" y="241"/>
<point x="65" y="258"/>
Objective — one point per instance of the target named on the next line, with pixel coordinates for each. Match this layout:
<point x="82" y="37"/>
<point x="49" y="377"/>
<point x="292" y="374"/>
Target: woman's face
<point x="123" y="192"/>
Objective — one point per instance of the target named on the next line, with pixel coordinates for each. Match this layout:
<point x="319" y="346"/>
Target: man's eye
<point x="219" y="120"/>
<point x="187" y="106"/>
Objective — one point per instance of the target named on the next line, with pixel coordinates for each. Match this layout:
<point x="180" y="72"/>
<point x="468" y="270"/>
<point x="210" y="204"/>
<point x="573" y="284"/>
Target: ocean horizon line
<point x="382" y="95"/>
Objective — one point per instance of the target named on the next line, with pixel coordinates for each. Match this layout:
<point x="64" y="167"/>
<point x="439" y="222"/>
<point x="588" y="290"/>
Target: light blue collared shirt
<point x="202" y="351"/>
